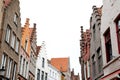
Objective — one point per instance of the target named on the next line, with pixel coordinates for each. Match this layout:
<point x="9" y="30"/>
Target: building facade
<point x="85" y="54"/>
<point x="73" y="76"/>
<point x="42" y="64"/>
<point x="53" y="73"/>
<point x="1" y="12"/>
<point x="24" y="56"/>
<point x="95" y="44"/>
<point x="10" y="38"/>
<point x="33" y="52"/>
<point x="63" y="65"/>
<point x="110" y="39"/>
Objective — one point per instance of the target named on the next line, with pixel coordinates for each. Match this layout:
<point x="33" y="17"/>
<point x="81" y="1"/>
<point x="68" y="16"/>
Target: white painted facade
<point x="53" y="73"/>
<point x="110" y="11"/>
<point x="42" y="66"/>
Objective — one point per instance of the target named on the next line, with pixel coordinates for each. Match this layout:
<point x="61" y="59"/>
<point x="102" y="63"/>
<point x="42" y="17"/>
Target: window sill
<point x="111" y="61"/>
<point x="7" y="42"/>
<point x="15" y="24"/>
<point x="12" y="48"/>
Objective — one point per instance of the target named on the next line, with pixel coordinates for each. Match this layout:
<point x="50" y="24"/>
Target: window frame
<point x="118" y="31"/>
<point x="42" y="75"/>
<point x="93" y="65"/>
<point x="107" y="38"/>
<point x="4" y="60"/>
<point x="100" y="61"/>
<point x="9" y="67"/>
<point x="43" y="62"/>
<point x="8" y="34"/>
<point x="20" y="64"/>
<point x="15" y="19"/>
<point x="14" y="71"/>
<point x="38" y="74"/>
<point x="17" y="45"/>
<point x="13" y="39"/>
<point x="46" y="76"/>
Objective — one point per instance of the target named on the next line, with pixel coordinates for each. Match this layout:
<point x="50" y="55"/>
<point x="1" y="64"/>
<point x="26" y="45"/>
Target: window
<point x="23" y="67"/>
<point x="20" y="65"/>
<point x="53" y="74"/>
<point x="100" y="64"/>
<point x="4" y="58"/>
<point x="50" y="72"/>
<point x="26" y="69"/>
<point x="13" y="40"/>
<point x="15" y="19"/>
<point x="43" y="62"/>
<point x="9" y="68"/>
<point x="94" y="32"/>
<point x="42" y="75"/>
<point x="108" y="45"/>
<point x="38" y="74"/>
<point x="7" y="37"/>
<point x="26" y="44"/>
<point x="93" y="65"/>
<point x="14" y="72"/>
<point x="29" y="77"/>
<point x="117" y="21"/>
<point x="85" y="74"/>
<point x="17" y="45"/>
<point x="88" y="69"/>
<point x="45" y="76"/>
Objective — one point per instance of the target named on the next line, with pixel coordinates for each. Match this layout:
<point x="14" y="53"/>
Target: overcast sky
<point x="58" y="24"/>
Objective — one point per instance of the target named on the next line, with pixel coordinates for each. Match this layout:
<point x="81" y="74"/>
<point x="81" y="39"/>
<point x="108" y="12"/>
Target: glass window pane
<point x="13" y="40"/>
<point x="17" y="46"/>
<point x="7" y="37"/>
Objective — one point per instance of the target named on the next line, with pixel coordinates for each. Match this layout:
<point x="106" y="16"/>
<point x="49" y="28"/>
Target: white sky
<point x="58" y="24"/>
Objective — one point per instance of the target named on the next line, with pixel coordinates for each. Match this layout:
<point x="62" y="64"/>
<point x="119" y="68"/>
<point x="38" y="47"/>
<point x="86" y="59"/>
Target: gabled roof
<point x="61" y="64"/>
<point x="29" y="34"/>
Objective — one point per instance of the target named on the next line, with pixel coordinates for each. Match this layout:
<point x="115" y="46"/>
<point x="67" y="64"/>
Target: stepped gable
<point x="38" y="50"/>
<point x="33" y="33"/>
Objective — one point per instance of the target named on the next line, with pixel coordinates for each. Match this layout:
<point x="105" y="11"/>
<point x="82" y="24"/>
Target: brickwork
<point x="6" y="50"/>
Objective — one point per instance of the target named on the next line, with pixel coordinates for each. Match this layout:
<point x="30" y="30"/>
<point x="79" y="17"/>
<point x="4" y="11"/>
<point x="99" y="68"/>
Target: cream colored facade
<point x="110" y="11"/>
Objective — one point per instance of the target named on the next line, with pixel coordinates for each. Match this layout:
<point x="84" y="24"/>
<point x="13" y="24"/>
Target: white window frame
<point x="26" y="70"/>
<point x="9" y="66"/>
<point x="15" y="19"/>
<point x="88" y="69"/>
<point x="13" y="41"/>
<point x="7" y="36"/>
<point x="4" y="58"/>
<point x="17" y="45"/>
<point x="14" y="71"/>
<point x="20" y="65"/>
